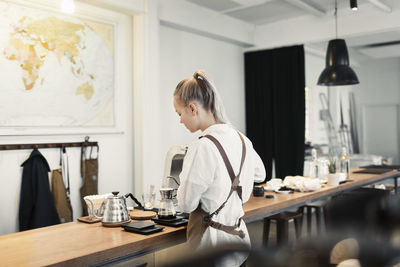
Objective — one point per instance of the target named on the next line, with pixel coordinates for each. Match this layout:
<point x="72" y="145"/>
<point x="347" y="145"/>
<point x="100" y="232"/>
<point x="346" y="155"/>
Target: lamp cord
<point x="336" y="18"/>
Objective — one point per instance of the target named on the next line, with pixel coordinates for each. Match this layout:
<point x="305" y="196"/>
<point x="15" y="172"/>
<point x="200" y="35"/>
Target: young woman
<point x="218" y="171"/>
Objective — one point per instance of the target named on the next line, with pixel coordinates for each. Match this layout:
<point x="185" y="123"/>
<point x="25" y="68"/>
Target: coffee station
<point x="112" y="211"/>
<point x="111" y="229"/>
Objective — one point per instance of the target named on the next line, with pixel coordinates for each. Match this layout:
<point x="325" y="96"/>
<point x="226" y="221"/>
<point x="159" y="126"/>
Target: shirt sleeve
<point x="259" y="173"/>
<point x="197" y="174"/>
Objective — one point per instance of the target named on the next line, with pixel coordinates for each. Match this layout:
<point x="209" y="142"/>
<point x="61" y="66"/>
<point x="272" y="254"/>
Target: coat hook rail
<point x="46" y="145"/>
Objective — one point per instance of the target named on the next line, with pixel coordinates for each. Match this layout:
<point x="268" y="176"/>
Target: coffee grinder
<point x="168" y="213"/>
<point x="173" y="167"/>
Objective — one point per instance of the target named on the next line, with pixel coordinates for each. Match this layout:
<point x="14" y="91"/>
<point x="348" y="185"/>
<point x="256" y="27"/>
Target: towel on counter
<point x="302" y="184"/>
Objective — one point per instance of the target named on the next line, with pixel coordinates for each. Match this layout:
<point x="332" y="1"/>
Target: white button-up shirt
<point x="204" y="179"/>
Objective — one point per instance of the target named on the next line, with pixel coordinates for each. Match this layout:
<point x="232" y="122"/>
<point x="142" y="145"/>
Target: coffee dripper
<point x="167" y="208"/>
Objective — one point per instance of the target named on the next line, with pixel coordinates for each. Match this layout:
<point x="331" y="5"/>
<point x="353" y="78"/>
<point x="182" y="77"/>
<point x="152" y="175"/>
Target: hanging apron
<point x="89" y="173"/>
<point x="199" y="220"/>
<point x="61" y="194"/>
<point x="61" y="201"/>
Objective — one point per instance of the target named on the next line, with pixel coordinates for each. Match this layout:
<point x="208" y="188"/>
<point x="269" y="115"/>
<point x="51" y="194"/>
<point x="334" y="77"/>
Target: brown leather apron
<point x="199" y="220"/>
<point x="61" y="200"/>
<point x="89" y="173"/>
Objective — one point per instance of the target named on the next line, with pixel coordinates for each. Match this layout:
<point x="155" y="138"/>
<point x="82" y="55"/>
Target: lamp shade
<point x="337" y="70"/>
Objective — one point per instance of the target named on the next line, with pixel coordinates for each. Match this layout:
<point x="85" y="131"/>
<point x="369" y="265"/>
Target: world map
<point x="55" y="70"/>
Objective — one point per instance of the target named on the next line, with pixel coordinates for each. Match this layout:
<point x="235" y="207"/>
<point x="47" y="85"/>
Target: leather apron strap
<point x="199" y="220"/>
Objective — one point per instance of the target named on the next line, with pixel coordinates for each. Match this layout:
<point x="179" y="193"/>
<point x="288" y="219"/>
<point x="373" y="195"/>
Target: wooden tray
<point x="87" y="219"/>
<point x="142" y="214"/>
<point x="114" y="224"/>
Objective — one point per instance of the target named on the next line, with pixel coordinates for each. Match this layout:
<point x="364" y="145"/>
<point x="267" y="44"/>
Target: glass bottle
<point x="344" y="165"/>
<point x="314" y="168"/>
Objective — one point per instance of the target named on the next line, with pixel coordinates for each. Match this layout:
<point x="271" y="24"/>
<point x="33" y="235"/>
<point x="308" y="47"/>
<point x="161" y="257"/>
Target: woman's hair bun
<point x="199" y="75"/>
<point x="199" y="88"/>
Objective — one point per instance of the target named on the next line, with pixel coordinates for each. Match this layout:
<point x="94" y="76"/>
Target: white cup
<point x="274" y="184"/>
<point x="148" y="200"/>
<point x="333" y="179"/>
<point x="342" y="176"/>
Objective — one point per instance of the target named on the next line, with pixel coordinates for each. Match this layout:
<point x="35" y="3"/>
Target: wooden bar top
<point x="79" y="244"/>
<point x="257" y="206"/>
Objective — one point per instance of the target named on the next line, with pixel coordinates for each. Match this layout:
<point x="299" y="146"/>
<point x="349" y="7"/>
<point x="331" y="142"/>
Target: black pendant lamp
<point x="337" y="70"/>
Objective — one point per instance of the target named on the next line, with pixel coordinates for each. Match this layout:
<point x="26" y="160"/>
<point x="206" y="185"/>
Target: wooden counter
<point x="78" y="244"/>
<point x="259" y="207"/>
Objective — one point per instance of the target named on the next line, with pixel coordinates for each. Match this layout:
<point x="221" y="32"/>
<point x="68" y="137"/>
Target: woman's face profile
<point x="187" y="114"/>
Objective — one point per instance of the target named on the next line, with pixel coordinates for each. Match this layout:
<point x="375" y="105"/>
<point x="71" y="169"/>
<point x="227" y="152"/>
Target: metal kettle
<point x="115" y="209"/>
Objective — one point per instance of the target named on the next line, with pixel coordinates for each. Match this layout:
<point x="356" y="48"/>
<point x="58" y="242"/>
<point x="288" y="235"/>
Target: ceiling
<point x="261" y="12"/>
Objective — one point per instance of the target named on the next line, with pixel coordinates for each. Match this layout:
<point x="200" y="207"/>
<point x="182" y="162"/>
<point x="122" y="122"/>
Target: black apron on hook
<point x="89" y="173"/>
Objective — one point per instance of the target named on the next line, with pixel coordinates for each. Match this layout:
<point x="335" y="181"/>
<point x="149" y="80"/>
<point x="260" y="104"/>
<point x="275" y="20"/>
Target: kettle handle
<point x="134" y="199"/>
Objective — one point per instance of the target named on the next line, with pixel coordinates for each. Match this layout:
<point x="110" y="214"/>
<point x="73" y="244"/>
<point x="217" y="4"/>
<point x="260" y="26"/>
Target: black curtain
<point x="275" y="107"/>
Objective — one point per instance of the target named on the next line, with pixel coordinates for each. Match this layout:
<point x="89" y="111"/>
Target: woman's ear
<point x="193" y="108"/>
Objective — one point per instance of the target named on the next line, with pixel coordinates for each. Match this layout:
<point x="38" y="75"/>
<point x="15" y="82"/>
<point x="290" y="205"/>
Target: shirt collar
<point x="219" y="127"/>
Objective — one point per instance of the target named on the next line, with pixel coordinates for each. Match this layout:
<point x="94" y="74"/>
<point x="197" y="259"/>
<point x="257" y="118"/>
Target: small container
<point x="344" y="164"/>
<point x="333" y="179"/>
<point x="258" y="191"/>
<point x="314" y="165"/>
<point x="148" y="200"/>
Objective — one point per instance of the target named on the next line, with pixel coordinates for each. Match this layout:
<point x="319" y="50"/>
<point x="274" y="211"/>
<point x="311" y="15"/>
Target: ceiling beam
<point x="307" y="7"/>
<point x="379" y="4"/>
<point x="314" y="51"/>
<point x="187" y="16"/>
<point x="244" y="6"/>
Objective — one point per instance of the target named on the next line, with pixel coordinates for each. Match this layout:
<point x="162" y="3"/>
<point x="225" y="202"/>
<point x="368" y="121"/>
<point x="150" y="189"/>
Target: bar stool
<point x="319" y="207"/>
<point x="282" y="226"/>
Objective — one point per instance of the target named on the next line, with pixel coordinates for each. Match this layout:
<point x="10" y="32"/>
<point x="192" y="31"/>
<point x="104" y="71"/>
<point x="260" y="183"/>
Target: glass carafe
<point x="167" y="208"/>
<point x="344" y="164"/>
<point x="314" y="165"/>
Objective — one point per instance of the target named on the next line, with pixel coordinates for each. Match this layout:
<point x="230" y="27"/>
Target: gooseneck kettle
<point x="115" y="209"/>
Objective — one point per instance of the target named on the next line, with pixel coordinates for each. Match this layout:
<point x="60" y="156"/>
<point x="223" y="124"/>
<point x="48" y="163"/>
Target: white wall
<point x="314" y="66"/>
<point x="317" y="131"/>
<point x="116" y="147"/>
<point x="181" y="53"/>
<point x="377" y="105"/>
<point x="377" y="100"/>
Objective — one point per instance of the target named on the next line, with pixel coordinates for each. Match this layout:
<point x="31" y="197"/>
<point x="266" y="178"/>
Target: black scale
<point x="142" y="227"/>
<point x="174" y="222"/>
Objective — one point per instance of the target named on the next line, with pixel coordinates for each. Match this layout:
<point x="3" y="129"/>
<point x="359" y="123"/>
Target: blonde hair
<point x="199" y="88"/>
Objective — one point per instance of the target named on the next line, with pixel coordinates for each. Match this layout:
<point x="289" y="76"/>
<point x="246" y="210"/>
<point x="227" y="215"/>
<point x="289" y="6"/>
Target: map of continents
<point x="55" y="70"/>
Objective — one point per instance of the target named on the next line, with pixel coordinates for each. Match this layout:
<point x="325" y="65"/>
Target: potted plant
<point x="333" y="177"/>
<point x="332" y="165"/>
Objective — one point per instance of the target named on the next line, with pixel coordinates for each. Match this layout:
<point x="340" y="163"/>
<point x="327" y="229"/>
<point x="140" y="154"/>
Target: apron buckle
<point x="207" y="218"/>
